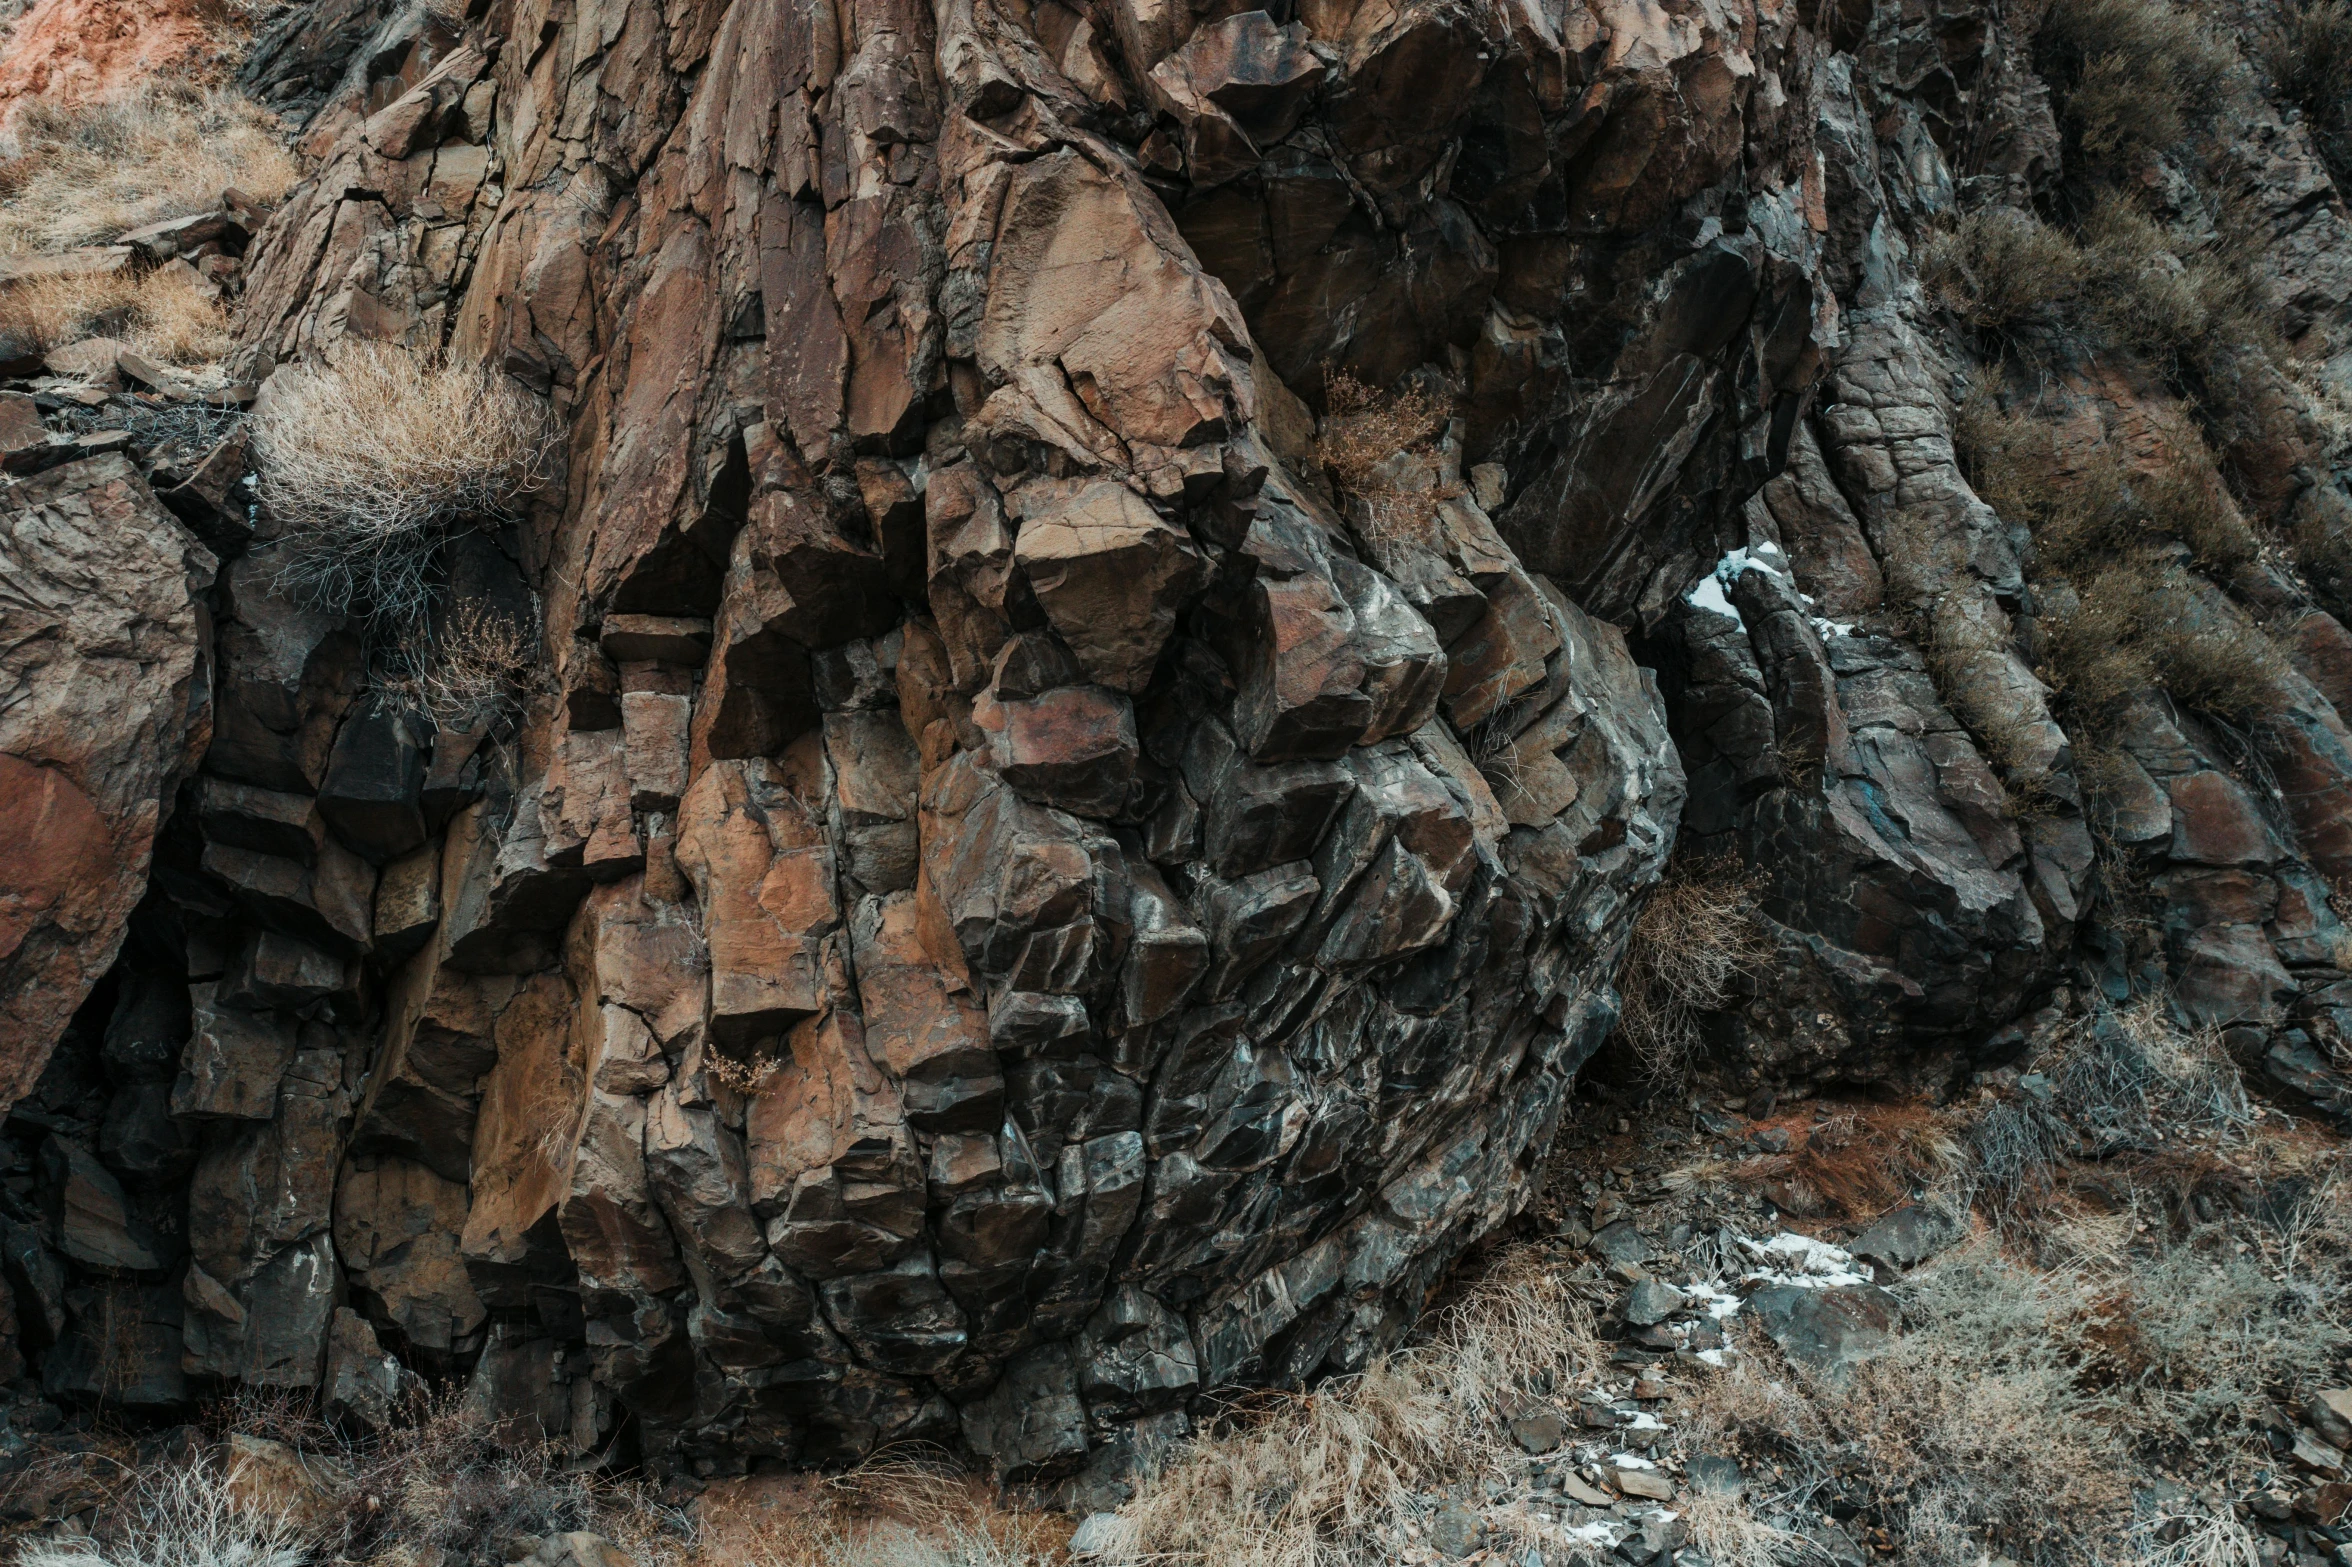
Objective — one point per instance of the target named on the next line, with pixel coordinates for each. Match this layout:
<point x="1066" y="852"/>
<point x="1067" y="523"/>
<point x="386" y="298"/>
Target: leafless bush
<point x="472" y="673"/>
<point x="85" y="174"/>
<point x="188" y="1515"/>
<point x="1363" y="429"/>
<point x="370" y="460"/>
<point x="1695" y="937"/>
<point x="165" y="314"/>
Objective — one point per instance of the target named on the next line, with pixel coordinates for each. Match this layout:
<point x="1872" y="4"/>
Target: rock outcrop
<point x="105" y="706"/>
<point x="1019" y="901"/>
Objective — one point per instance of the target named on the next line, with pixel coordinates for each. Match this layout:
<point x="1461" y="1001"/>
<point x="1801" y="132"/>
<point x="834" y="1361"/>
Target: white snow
<point x="1802" y="1261"/>
<point x="1764" y="556"/>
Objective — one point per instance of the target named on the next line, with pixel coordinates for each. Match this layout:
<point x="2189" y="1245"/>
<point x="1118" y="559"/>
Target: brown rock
<point x="101" y="715"/>
<point x="1111" y="574"/>
<point x="1072" y="748"/>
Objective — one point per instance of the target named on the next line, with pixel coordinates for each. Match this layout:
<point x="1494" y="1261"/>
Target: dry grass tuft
<point x="84" y="175"/>
<point x="369" y="461"/>
<point x="1698" y="934"/>
<point x="2000" y="269"/>
<point x="165" y="314"/>
<point x="2310" y="59"/>
<point x="1334" y="1477"/>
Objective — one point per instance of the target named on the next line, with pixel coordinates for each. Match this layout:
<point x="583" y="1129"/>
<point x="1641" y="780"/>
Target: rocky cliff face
<point x="1019" y="901"/>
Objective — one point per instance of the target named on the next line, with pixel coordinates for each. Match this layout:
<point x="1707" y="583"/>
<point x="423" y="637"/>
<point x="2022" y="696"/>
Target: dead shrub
<point x="473" y="673"/>
<point x="86" y="174"/>
<point x="189" y="1515"/>
<point x="1696" y="936"/>
<point x="370" y="460"/>
<point x="1380" y="448"/>
<point x="165" y="314"/>
<point x="1364" y="429"/>
<point x="2130" y="75"/>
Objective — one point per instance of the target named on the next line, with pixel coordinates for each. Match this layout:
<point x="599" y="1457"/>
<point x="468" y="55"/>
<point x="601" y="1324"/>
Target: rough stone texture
<point x="104" y="706"/>
<point x="1020" y="904"/>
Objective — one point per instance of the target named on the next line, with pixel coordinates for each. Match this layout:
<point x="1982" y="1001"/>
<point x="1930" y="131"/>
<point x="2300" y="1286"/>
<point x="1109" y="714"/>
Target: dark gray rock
<point x="1908" y="1236"/>
<point x="1826" y="1330"/>
<point x="372" y="794"/>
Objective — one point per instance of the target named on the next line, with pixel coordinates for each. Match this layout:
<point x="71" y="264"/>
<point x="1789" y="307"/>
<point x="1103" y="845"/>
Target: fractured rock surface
<point x="1021" y="903"/>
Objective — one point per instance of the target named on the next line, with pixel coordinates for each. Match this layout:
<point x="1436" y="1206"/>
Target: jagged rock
<point x="103" y="709"/>
<point x="1035" y="890"/>
<point x="363" y="1385"/>
<point x="372" y="792"/>
<point x="92" y="1219"/>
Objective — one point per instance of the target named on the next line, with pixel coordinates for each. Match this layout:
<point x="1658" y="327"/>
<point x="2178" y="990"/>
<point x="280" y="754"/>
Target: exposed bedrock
<point x="1020" y="903"/>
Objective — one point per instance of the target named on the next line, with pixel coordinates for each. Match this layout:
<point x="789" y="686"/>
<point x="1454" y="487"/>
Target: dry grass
<point x="2119" y="617"/>
<point x="2310" y="60"/>
<point x="166" y="314"/>
<point x="369" y="461"/>
<point x="2085" y="504"/>
<point x="84" y="175"/>
<point x="2000" y="269"/>
<point x="890" y="1511"/>
<point x="1695" y="938"/>
<point x="1338" y="1476"/>
<point x="186" y="1516"/>
<point x="2131" y="76"/>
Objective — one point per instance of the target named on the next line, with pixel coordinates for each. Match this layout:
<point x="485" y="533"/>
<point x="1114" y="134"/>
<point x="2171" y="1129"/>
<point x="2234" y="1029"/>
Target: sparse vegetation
<point x="1695" y="938"/>
<point x="2310" y="59"/>
<point x="1364" y="430"/>
<point x="84" y="175"/>
<point x="191" y="1515"/>
<point x="167" y="314"/>
<point x="1344" y="1474"/>
<point x="369" y="461"/>
<point x="471" y="673"/>
<point x="1380" y="450"/>
<point x="2120" y="614"/>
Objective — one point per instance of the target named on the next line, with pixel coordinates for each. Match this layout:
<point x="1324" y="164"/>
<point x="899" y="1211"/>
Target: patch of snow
<point x="1717" y="1358"/>
<point x="1643" y="1420"/>
<point x="1708" y="595"/>
<point x="1802" y="1261"/>
<point x="1630" y="1461"/>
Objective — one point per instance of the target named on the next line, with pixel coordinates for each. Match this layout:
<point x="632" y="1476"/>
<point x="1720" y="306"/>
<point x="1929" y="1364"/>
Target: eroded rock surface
<point x="1022" y="902"/>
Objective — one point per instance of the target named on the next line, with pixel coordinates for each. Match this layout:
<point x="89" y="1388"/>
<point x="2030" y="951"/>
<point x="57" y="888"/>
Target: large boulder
<point x="104" y="707"/>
